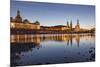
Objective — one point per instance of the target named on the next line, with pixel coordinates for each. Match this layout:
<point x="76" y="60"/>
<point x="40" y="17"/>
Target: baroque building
<point x="67" y="24"/>
<point x="52" y="28"/>
<point x="77" y="27"/>
<point x="70" y="27"/>
<point x="18" y="18"/>
<point x="18" y="23"/>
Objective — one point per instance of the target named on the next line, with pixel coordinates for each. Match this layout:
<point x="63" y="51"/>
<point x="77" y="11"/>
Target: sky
<point x="51" y="14"/>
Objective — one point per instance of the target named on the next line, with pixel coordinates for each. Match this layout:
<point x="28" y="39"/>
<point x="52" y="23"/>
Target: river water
<point x="40" y="49"/>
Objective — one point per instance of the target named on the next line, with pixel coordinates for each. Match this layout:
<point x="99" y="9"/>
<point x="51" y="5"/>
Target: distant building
<point x="18" y="23"/>
<point x="77" y="27"/>
<point x="18" y="18"/>
<point x="71" y="25"/>
<point x="57" y="28"/>
<point x="67" y="25"/>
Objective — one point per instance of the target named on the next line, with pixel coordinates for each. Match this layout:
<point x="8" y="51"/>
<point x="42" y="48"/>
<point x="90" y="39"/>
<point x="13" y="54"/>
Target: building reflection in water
<point x="23" y="43"/>
<point x="77" y="40"/>
<point x="36" y="39"/>
<point x="27" y="43"/>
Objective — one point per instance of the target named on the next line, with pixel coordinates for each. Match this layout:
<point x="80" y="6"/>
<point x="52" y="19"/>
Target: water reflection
<point x="38" y="38"/>
<point x="28" y="45"/>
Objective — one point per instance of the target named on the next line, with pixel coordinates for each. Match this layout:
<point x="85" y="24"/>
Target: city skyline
<point x="55" y="14"/>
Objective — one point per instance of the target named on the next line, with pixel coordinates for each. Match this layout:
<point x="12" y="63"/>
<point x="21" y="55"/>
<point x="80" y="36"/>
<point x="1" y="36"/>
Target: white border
<point x="4" y="33"/>
<point x="87" y="2"/>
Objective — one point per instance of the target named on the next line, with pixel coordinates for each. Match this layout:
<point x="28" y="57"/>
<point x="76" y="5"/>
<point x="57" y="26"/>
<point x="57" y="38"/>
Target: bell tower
<point x="71" y="25"/>
<point x="18" y="18"/>
<point x="78" y="22"/>
<point x="67" y="24"/>
<point x="77" y="27"/>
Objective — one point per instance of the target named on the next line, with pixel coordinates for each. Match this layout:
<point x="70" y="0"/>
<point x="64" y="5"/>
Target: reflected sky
<point x="50" y="49"/>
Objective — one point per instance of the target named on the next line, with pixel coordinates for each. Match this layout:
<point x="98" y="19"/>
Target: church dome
<point x="25" y="21"/>
<point x="18" y="18"/>
<point x="37" y="22"/>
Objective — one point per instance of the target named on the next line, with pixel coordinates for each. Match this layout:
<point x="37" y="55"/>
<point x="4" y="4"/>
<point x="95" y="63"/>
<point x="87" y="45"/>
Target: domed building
<point x="18" y="18"/>
<point x="37" y="23"/>
<point x="25" y="21"/>
<point x="18" y="23"/>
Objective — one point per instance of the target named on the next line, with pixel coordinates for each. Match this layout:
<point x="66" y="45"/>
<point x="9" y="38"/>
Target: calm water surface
<point x="52" y="49"/>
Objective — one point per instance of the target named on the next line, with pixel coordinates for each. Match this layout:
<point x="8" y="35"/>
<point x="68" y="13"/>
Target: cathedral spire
<point x="67" y="24"/>
<point x="77" y="27"/>
<point x="18" y="13"/>
<point x="71" y="24"/>
<point x="77" y="21"/>
<point x="18" y="18"/>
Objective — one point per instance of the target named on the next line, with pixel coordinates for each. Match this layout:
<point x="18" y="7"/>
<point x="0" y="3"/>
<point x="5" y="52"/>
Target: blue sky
<point x="50" y="14"/>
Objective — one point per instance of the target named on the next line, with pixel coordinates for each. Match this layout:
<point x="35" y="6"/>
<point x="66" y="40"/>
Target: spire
<point x="77" y="27"/>
<point x="18" y="18"/>
<point x="77" y="21"/>
<point x="67" y="24"/>
<point x="18" y="13"/>
<point x="71" y="24"/>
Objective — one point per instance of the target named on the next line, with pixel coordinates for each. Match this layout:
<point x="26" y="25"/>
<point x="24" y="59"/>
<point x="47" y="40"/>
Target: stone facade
<point x="25" y="24"/>
<point x="77" y="27"/>
<point x="18" y="23"/>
